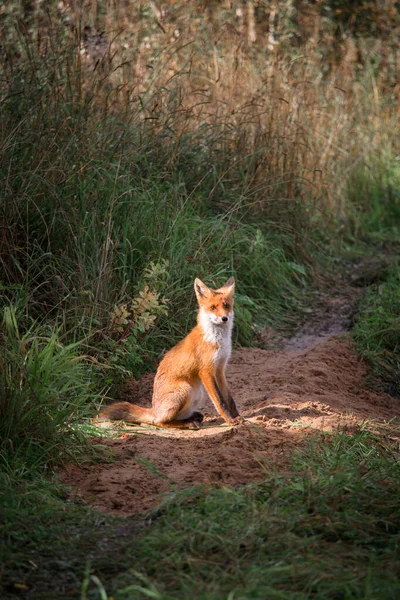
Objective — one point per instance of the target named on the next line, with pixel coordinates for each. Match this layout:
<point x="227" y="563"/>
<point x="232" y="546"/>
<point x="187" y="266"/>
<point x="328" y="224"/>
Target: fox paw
<point x="237" y="421"/>
<point x="197" y="416"/>
<point x="195" y="420"/>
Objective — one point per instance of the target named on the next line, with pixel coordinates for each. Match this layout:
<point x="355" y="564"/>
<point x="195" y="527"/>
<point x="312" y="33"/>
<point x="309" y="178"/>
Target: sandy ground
<point x="313" y="382"/>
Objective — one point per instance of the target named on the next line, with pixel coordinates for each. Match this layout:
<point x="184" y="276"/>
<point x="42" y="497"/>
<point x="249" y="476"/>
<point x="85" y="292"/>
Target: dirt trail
<point x="312" y="382"/>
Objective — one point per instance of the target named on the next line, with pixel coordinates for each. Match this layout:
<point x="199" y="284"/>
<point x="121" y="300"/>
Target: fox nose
<point x="224" y="319"/>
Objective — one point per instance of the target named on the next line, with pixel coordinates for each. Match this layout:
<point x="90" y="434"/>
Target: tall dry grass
<point x="273" y="100"/>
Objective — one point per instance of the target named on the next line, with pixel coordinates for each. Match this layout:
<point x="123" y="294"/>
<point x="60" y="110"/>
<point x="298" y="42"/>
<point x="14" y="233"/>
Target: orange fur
<point x="194" y="366"/>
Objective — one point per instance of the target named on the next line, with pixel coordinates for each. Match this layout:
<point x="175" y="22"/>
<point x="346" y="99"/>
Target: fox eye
<point x="227" y="306"/>
<point x="213" y="307"/>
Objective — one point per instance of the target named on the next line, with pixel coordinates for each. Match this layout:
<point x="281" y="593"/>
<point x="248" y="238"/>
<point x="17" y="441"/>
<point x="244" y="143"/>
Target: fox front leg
<point x="217" y="397"/>
<point x="223" y="386"/>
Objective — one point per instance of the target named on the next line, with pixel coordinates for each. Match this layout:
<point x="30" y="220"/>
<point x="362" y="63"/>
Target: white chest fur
<point x="219" y="335"/>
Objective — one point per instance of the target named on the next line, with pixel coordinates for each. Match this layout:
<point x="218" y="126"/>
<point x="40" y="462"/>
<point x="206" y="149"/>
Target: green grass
<point x="327" y="528"/>
<point x="377" y="331"/>
<point x="374" y="198"/>
<point x="46" y="397"/>
<point x="47" y="542"/>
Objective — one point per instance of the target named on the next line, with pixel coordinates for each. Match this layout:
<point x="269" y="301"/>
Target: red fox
<point x="195" y="366"/>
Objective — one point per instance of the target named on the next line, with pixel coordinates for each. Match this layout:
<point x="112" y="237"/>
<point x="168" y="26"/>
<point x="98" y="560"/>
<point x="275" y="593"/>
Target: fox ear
<point x="229" y="287"/>
<point x="202" y="291"/>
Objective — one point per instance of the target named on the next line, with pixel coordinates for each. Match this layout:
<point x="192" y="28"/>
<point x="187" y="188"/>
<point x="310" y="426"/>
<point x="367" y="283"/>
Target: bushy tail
<point x="125" y="411"/>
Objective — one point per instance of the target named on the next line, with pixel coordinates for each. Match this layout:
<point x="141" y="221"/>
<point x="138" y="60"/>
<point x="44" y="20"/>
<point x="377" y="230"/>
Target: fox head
<point x="216" y="305"/>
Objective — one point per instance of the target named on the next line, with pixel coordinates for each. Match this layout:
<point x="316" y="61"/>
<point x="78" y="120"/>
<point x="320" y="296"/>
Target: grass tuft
<point x="46" y="396"/>
<point x="377" y="331"/>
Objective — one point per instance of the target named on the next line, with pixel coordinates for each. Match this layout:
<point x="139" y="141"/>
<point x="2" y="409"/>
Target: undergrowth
<point x="46" y="394"/>
<point x="374" y="192"/>
<point x="327" y="528"/>
<point x="377" y="332"/>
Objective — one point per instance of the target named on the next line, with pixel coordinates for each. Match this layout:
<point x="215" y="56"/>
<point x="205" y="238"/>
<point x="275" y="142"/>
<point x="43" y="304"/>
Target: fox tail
<point x="125" y="411"/>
